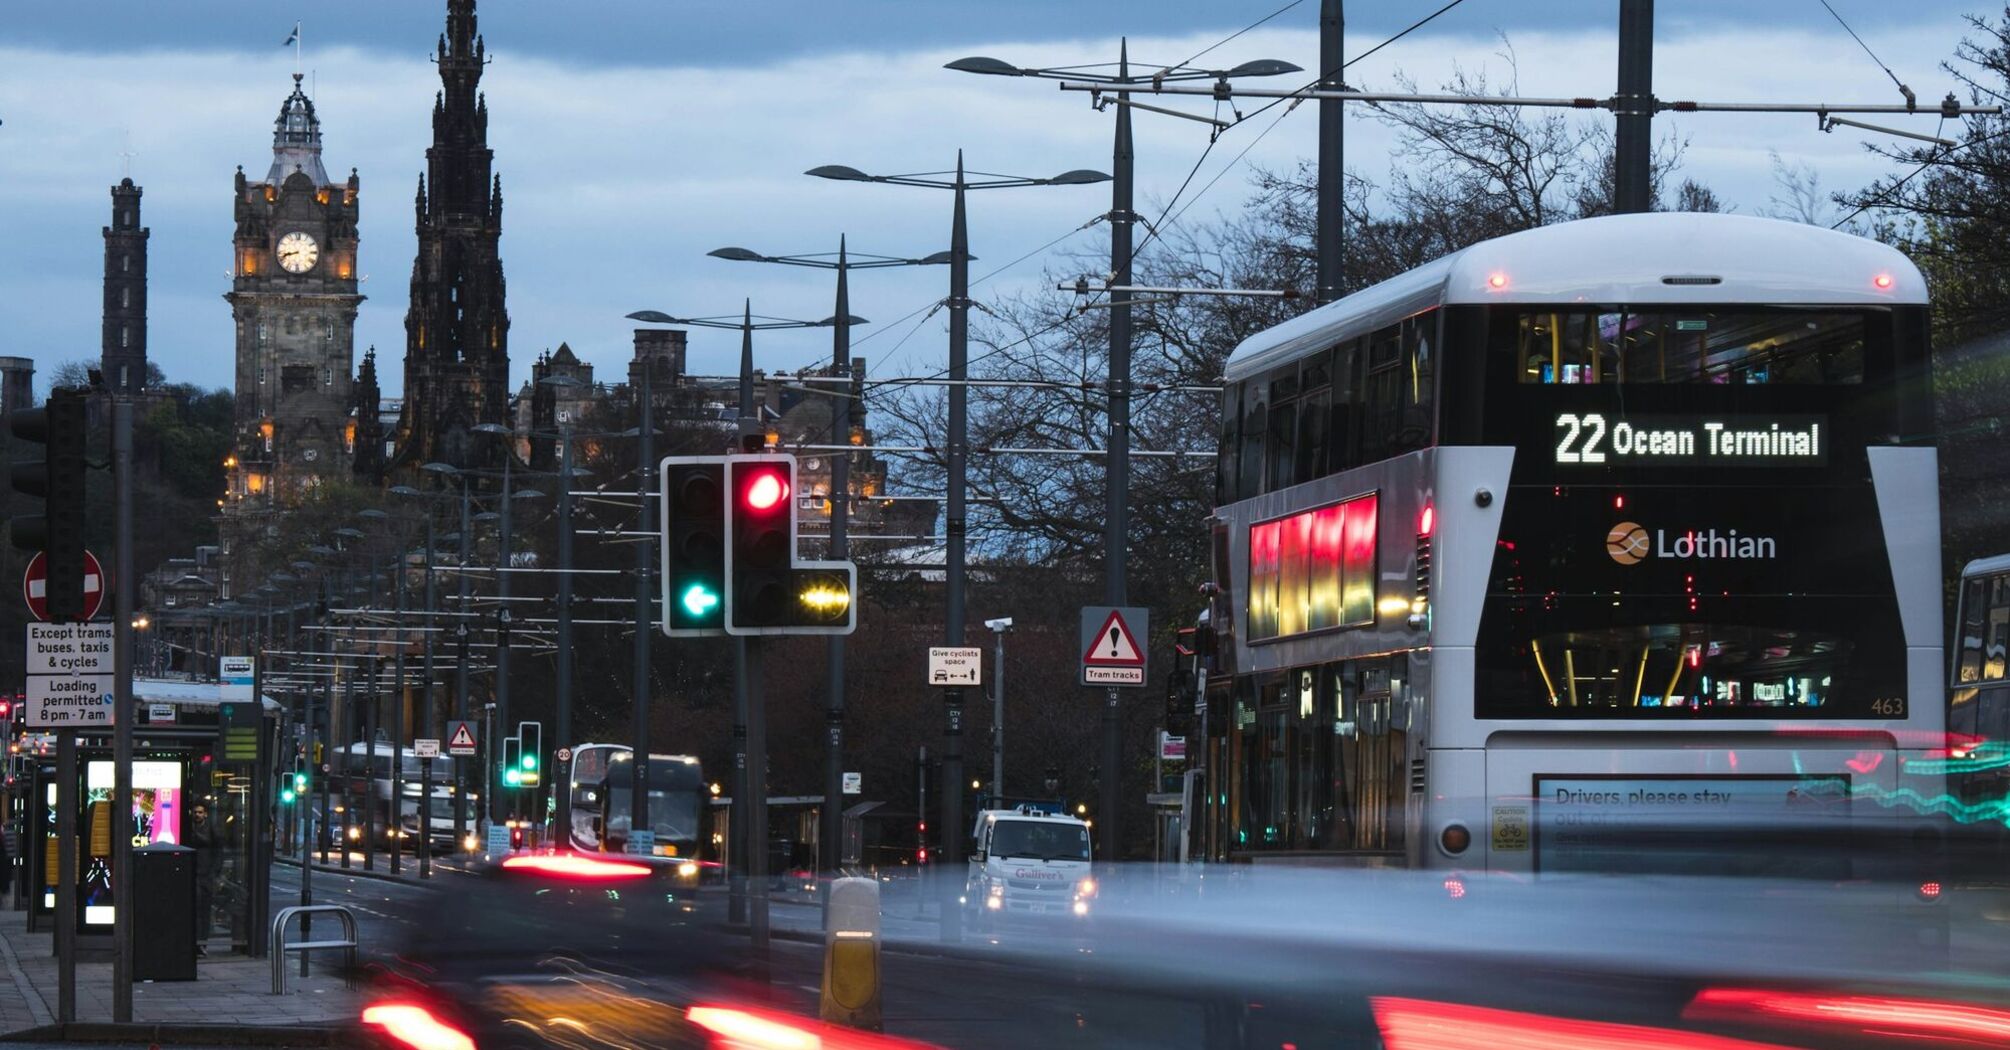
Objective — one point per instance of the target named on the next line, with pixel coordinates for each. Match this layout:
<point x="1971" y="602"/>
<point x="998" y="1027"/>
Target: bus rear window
<point x="1696" y="345"/>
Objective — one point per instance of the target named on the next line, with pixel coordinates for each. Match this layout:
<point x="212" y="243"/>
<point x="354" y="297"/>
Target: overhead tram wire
<point x="1153" y="230"/>
<point x="1253" y="25"/>
<point x="1902" y="89"/>
<point x="1941" y="155"/>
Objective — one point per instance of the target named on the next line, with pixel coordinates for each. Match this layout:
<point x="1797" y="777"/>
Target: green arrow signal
<point x="699" y="600"/>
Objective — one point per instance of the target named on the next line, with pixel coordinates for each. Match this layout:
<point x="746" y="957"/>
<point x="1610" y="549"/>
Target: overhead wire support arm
<point x="1949" y="108"/>
<point x="1081" y="286"/>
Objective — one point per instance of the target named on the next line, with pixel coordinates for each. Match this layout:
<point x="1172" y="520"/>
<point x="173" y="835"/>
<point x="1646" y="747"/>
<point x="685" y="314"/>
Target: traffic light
<point x="530" y="748"/>
<point x="512" y="775"/>
<point x="58" y="532"/>
<point x="694" y="545"/>
<point x="1178" y="718"/>
<point x="767" y="590"/>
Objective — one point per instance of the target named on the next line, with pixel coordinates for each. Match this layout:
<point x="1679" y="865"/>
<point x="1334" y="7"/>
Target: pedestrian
<point x="201" y="837"/>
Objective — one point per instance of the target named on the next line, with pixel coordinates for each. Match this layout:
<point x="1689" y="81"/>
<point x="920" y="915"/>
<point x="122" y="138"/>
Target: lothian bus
<point x="1979" y="698"/>
<point x="1632" y="519"/>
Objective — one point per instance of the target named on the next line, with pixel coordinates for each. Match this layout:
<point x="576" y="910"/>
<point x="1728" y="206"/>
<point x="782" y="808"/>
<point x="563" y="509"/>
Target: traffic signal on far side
<point x="694" y="545"/>
<point x="530" y="752"/>
<point x="512" y="773"/>
<point x="767" y="590"/>
<point x="58" y="532"/>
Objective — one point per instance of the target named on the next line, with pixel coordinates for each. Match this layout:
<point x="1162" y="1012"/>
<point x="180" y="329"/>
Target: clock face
<point x="298" y="252"/>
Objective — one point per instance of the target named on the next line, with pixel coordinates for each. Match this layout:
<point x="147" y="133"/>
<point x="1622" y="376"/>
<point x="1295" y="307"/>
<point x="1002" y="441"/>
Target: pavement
<point x="229" y="992"/>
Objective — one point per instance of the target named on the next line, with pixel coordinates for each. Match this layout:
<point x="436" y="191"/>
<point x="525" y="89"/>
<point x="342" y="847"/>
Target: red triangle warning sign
<point x="1114" y="645"/>
<point x="462" y="737"/>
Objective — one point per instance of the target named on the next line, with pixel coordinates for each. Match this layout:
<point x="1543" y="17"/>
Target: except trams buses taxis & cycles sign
<point x="1113" y="651"/>
<point x="69" y="675"/>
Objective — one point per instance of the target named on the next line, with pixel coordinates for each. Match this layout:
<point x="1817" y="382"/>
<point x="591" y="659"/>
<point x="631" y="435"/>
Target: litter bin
<point x="164" y="917"/>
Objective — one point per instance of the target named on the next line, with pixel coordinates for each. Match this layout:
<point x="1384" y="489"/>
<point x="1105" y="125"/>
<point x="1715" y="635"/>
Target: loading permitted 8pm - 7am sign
<point x="69" y="675"/>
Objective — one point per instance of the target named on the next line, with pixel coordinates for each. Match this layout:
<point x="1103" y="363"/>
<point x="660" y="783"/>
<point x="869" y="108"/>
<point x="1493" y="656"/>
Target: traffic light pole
<point x="122" y="717"/>
<point x="645" y="465"/>
<point x="561" y="776"/>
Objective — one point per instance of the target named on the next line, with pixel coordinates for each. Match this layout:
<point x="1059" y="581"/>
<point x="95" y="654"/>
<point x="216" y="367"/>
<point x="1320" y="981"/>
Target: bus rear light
<point x="1454" y="839"/>
<point x="1929" y="890"/>
<point x="1455" y="888"/>
<point x="414" y="1026"/>
<point x="1497" y="280"/>
<point x="574" y="866"/>
<point x="1882" y="281"/>
<point x="1427" y="520"/>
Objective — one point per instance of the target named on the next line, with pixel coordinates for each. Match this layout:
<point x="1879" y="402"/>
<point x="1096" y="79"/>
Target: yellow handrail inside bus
<point x="1570" y="674"/>
<point x="1546" y="683"/>
<point x="1640" y="678"/>
<point x="1669" y="693"/>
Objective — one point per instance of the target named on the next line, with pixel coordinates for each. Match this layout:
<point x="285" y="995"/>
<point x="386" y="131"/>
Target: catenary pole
<point x="645" y="465"/>
<point x="560" y="775"/>
<point x="1633" y="125"/>
<point x="1118" y="463"/>
<point x="1332" y="217"/>
<point x="122" y="719"/>
<point x="830" y="831"/>
<point x="953" y="530"/>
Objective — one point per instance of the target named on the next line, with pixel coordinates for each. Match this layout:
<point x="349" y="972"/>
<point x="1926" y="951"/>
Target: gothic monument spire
<point x="456" y="329"/>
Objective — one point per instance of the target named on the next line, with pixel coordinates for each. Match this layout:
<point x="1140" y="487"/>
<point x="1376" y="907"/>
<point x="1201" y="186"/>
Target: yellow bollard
<point x="851" y="955"/>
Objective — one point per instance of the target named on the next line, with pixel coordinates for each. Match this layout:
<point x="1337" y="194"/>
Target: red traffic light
<point x="767" y="490"/>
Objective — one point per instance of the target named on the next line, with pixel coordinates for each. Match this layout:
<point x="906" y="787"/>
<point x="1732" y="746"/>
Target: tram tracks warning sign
<point x="1113" y="647"/>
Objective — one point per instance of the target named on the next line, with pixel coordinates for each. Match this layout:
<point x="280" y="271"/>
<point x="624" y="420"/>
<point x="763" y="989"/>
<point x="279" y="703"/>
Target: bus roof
<point x="1612" y="259"/>
<point x="1986" y="566"/>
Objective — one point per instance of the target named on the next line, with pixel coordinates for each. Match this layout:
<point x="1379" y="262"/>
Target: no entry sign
<point x="35" y="586"/>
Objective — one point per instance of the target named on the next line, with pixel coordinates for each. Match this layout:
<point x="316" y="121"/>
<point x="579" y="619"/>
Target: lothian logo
<point x="1629" y="544"/>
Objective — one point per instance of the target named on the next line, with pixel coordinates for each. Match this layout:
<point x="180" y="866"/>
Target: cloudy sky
<point x="633" y="136"/>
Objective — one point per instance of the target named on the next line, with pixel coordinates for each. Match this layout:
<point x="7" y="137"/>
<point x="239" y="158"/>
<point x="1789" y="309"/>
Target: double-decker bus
<point x="1632" y="519"/>
<point x="1979" y="700"/>
<point x="602" y="785"/>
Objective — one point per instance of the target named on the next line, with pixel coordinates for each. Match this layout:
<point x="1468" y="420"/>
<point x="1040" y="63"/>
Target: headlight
<point x="471" y="843"/>
<point x="1085" y="888"/>
<point x="1081" y="907"/>
<point x="355" y="832"/>
<point x="687" y="870"/>
<point x="995" y="903"/>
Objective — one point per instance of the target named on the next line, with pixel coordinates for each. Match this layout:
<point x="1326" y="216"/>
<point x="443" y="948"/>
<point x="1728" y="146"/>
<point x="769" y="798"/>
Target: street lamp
<point x="959" y="183"/>
<point x="1117" y="461"/>
<point x="830" y="825"/>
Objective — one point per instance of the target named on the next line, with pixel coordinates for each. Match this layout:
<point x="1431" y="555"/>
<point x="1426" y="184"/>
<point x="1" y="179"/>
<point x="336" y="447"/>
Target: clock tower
<point x="293" y="298"/>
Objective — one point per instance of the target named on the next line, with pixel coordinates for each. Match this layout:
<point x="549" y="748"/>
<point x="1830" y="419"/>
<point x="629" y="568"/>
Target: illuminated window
<point x="1313" y="571"/>
<point x="125" y="336"/>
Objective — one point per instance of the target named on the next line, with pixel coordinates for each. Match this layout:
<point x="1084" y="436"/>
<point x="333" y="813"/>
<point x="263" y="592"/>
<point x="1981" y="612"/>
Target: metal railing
<point x="280" y="947"/>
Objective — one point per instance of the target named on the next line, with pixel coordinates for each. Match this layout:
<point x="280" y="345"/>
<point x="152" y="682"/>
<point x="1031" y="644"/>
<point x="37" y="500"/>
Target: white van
<point x="1029" y="863"/>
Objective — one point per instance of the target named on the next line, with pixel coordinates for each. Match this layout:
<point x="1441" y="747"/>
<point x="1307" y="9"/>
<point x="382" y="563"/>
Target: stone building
<point x="123" y="358"/>
<point x="294" y="299"/>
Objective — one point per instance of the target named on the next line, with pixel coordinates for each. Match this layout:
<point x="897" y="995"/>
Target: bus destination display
<point x="1592" y="438"/>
